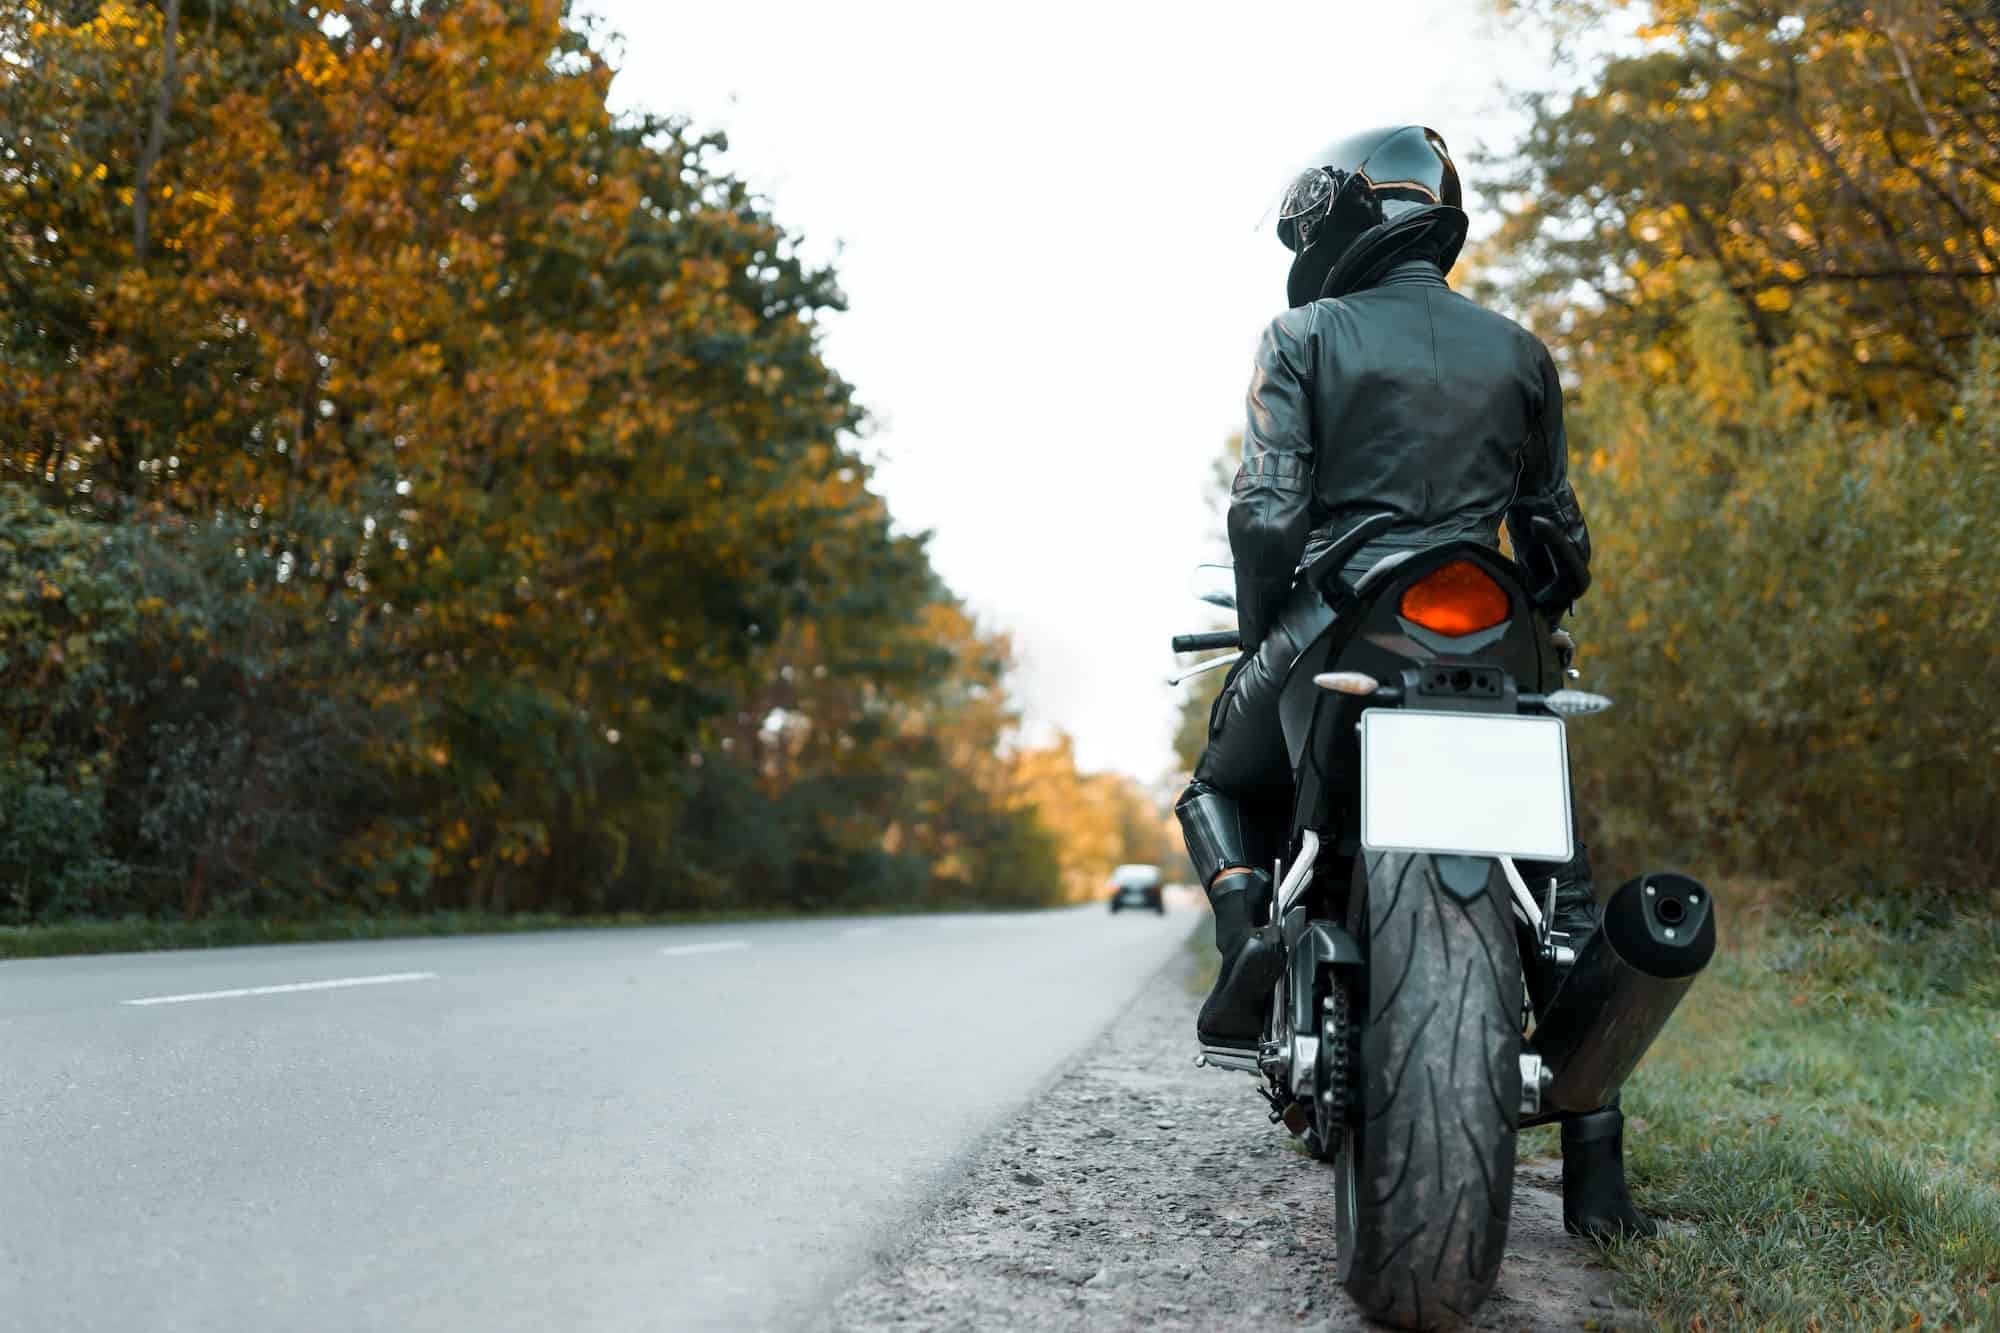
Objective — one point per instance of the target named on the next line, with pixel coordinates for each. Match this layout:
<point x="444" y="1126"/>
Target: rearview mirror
<point x="1216" y="585"/>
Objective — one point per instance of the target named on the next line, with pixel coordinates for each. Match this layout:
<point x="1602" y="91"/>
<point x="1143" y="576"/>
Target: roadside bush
<point x="178" y="741"/>
<point x="1795" y="613"/>
<point x="52" y="863"/>
<point x="190" y="735"/>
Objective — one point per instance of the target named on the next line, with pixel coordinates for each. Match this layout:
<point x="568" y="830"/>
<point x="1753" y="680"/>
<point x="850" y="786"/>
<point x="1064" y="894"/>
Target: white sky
<point x="1046" y="217"/>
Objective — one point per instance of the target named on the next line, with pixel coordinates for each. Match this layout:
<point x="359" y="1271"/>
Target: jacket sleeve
<point x="1271" y="501"/>
<point x="1544" y="490"/>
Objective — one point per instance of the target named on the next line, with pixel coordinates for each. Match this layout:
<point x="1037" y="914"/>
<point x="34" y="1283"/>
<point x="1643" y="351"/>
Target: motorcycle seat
<point x="1380" y="569"/>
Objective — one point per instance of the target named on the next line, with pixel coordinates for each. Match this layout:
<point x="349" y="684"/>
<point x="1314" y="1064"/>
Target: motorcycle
<point x="1427" y="732"/>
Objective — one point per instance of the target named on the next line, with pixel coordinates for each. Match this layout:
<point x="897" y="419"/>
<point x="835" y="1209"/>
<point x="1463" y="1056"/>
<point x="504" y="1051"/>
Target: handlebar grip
<point x="1199" y="643"/>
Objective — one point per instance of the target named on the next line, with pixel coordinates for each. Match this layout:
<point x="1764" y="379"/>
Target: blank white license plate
<point x="1470" y="783"/>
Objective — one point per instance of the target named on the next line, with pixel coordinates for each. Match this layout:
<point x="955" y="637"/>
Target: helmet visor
<point x="1305" y="205"/>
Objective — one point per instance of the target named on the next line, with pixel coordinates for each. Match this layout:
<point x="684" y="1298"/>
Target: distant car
<point x="1137" y="886"/>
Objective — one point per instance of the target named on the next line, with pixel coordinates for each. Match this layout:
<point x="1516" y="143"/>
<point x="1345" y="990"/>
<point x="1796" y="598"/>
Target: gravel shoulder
<point x="1140" y="1191"/>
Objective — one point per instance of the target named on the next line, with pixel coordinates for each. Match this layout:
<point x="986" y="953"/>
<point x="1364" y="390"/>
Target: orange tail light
<point x="1460" y="598"/>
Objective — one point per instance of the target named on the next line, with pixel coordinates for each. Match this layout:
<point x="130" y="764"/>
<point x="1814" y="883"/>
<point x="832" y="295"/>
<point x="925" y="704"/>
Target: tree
<point x="1765" y="245"/>
<point x="1830" y="171"/>
<point x="1098" y="820"/>
<point x="506" y="421"/>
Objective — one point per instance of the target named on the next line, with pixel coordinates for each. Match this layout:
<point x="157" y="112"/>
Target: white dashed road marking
<point x="714" y="946"/>
<point x="339" y="983"/>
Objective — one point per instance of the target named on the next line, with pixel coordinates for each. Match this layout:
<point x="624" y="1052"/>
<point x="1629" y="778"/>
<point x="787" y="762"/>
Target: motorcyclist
<point x="1379" y="389"/>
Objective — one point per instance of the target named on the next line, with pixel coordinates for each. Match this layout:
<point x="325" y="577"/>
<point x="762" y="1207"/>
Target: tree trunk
<point x="156" y="135"/>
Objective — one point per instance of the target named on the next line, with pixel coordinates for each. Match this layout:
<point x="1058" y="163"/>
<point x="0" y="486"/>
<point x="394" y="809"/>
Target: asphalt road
<point x="700" y="1127"/>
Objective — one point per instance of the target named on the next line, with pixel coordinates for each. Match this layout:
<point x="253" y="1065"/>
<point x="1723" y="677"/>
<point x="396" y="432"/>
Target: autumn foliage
<point x="1768" y="244"/>
<point x="419" y="487"/>
<point x="1828" y="173"/>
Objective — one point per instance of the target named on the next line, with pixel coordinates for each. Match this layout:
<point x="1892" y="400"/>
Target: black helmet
<point x="1365" y="202"/>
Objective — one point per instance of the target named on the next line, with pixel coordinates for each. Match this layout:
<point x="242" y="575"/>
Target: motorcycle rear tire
<point x="1425" y="1174"/>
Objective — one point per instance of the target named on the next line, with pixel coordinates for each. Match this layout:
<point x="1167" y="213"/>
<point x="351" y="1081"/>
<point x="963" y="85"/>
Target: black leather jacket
<point x="1403" y="397"/>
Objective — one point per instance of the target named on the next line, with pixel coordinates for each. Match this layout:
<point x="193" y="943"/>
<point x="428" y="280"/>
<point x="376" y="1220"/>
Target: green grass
<point x="139" y="935"/>
<point x="1820" y="1118"/>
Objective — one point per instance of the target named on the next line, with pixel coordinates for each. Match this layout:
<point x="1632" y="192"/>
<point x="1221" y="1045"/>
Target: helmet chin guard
<point x="1435" y="232"/>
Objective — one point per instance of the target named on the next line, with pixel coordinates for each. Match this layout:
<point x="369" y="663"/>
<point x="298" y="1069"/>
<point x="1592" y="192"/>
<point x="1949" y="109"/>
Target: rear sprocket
<point x="1333" y="1075"/>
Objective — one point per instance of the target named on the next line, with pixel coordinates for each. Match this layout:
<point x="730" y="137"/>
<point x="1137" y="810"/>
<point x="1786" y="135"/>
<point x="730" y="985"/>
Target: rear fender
<point x="1464" y="877"/>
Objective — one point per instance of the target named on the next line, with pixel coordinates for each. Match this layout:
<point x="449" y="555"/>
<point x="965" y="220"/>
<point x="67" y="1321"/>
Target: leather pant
<point x="1237" y="810"/>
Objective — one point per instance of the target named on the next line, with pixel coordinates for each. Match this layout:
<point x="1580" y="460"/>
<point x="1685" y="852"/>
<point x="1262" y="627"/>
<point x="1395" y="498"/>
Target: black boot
<point x="1233" y="1014"/>
<point x="1595" y="1202"/>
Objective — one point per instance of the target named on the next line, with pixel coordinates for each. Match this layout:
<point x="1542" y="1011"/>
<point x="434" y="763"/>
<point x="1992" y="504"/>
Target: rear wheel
<point x="1425" y="1173"/>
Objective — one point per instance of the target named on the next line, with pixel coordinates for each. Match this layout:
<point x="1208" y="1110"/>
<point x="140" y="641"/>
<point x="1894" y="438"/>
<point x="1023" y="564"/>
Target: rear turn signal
<point x="1347" y="682"/>
<point x="1460" y="598"/>
<point x="1576" y="703"/>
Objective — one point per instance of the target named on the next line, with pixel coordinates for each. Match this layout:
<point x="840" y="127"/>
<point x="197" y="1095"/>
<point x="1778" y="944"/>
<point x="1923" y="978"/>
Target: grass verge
<point x="1821" y="1119"/>
<point x="140" y="935"/>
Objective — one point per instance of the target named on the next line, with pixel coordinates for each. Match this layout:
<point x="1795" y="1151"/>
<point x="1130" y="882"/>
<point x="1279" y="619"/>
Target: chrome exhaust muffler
<point x="1656" y="935"/>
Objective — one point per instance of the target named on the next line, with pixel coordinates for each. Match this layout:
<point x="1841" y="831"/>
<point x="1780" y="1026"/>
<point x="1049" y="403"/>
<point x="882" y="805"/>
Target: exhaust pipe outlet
<point x="1657" y="933"/>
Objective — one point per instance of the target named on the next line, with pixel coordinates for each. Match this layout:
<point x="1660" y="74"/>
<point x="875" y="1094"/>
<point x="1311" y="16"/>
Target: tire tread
<point x="1434" y="1175"/>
